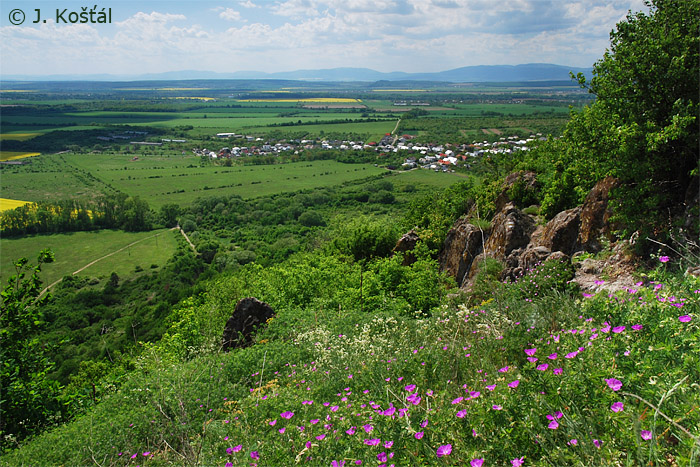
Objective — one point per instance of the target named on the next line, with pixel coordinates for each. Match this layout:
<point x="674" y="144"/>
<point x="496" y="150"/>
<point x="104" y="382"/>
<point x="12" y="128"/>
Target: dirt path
<point x="396" y="137"/>
<point x="186" y="238"/>
<point x="107" y="256"/>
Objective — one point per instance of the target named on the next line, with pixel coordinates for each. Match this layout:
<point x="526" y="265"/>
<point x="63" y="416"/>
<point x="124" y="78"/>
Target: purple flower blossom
<point x="477" y="462"/>
<point x="458" y="400"/>
<point x="462" y="413"/>
<point x="596" y="442"/>
<point x="287" y="415"/>
<point x="497" y="407"/>
<point x="645" y="434"/>
<point x="368" y="428"/>
<point x="553" y="425"/>
<point x="320" y="437"/>
<point x="518" y="462"/>
<point x="530" y="352"/>
<point x="503" y="370"/>
<point x="410" y="387"/>
<point x="351" y="431"/>
<point x="552" y="356"/>
<point x="614" y="384"/>
<point x="664" y="259"/>
<point x="618" y="329"/>
<point x="418" y="435"/>
<point x="445" y="450"/>
<point x="558" y="371"/>
<point x="514" y="384"/>
<point x="617" y="407"/>
<point x="543" y="367"/>
<point x="637" y="327"/>
<point x="573" y="442"/>
<point x="255" y="455"/>
<point x="372" y="442"/>
<point x="388" y="444"/>
<point x="414" y="399"/>
<point x="491" y="387"/>
<point x="237" y="448"/>
<point x="685" y="319"/>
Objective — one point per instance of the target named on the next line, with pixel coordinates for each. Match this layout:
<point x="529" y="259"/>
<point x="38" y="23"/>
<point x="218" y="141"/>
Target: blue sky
<point x="151" y="36"/>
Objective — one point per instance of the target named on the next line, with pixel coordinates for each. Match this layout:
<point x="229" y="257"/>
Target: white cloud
<point x="230" y="15"/>
<point x="394" y="35"/>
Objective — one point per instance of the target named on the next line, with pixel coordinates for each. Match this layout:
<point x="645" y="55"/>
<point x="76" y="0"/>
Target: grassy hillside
<point x="546" y="379"/>
<point x="78" y="249"/>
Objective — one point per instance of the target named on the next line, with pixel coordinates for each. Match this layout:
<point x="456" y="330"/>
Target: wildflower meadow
<point x="556" y="378"/>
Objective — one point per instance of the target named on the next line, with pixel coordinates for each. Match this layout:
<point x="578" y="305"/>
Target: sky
<point x="153" y="36"/>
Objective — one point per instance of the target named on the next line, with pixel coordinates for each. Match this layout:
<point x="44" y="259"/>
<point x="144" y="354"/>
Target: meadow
<point x="75" y="250"/>
<point x="529" y="377"/>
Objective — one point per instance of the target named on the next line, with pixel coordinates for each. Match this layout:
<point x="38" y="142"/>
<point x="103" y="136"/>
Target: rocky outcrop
<point x="595" y="215"/>
<point x="510" y="229"/>
<point x="462" y="244"/>
<point x="406" y="244"/>
<point x="248" y="316"/>
<point x="561" y="233"/>
<point x="514" y="239"/>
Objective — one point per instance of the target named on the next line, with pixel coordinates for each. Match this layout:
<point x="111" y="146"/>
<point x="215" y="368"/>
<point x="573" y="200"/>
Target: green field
<point x="75" y="250"/>
<point x="168" y="179"/>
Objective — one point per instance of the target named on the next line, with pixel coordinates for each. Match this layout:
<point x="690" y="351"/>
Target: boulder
<point x="561" y="233"/>
<point x="248" y="316"/>
<point x="533" y="257"/>
<point x="407" y="243"/>
<point x="595" y="214"/>
<point x="462" y="243"/>
<point x="510" y="229"/>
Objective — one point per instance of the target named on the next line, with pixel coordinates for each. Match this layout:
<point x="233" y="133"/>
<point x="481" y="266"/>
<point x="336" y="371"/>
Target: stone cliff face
<point x="515" y="240"/>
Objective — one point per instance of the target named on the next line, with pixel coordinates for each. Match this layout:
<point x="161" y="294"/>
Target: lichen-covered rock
<point x="510" y="229"/>
<point x="248" y="316"/>
<point x="561" y="233"/>
<point x="462" y="244"/>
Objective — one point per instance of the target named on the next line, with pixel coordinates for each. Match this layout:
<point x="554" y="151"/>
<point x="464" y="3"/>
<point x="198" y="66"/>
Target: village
<point x="437" y="157"/>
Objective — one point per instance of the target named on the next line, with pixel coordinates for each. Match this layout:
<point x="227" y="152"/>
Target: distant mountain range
<point x="468" y="74"/>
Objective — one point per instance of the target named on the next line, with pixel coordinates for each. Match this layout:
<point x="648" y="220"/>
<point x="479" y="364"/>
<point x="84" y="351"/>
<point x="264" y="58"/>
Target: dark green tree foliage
<point x="28" y="399"/>
<point x="643" y="126"/>
<point x="121" y="212"/>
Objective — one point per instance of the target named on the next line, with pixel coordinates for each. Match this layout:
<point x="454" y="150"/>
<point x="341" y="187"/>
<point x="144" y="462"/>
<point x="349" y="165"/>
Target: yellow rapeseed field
<point x="14" y="155"/>
<point x="7" y="204"/>
<point x="17" y="136"/>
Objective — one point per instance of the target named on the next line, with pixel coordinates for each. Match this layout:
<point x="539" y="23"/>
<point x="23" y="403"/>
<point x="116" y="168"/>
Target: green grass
<point x="413" y="385"/>
<point x="75" y="250"/>
<point x="180" y="184"/>
<point x="166" y="179"/>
